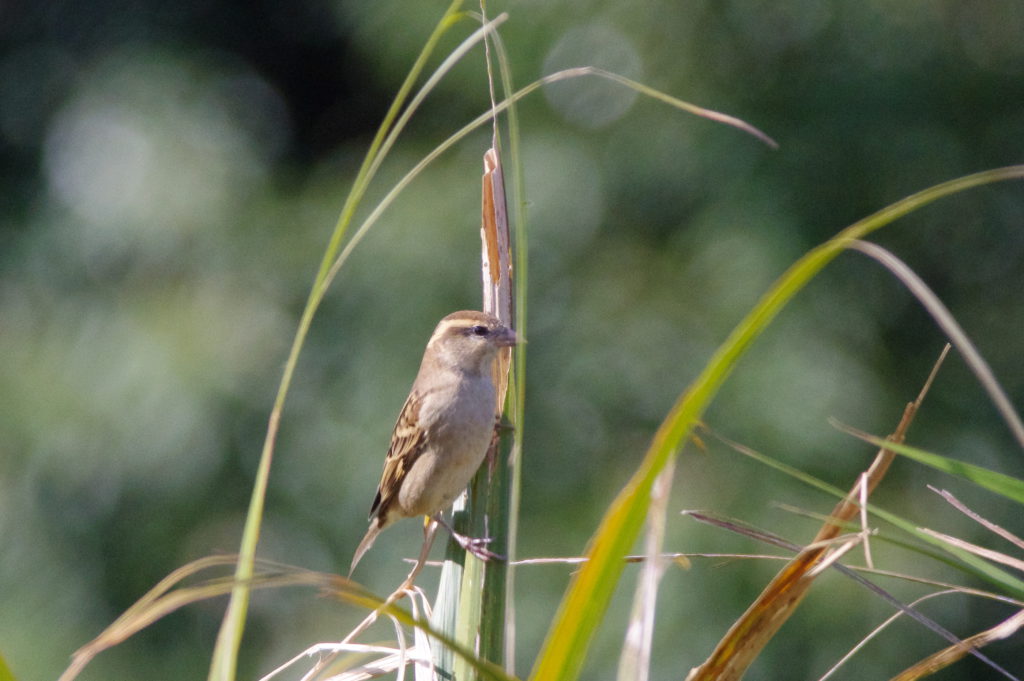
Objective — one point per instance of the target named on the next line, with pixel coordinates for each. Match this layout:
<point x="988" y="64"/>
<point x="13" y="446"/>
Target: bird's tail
<point x="371" y="534"/>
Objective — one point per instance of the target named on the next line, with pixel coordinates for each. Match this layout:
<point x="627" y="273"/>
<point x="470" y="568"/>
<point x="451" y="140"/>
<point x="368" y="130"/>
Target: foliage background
<point x="169" y="175"/>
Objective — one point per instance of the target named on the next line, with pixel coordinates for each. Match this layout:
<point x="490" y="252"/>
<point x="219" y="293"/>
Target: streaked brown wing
<point x="407" y="441"/>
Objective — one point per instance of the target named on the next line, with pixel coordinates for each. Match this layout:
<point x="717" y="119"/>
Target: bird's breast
<point x="459" y="423"/>
<point x="464" y="414"/>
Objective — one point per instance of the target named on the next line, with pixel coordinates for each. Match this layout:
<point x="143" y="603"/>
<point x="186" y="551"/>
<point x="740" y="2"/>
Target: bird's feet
<point x="475" y="545"/>
<point x="502" y="425"/>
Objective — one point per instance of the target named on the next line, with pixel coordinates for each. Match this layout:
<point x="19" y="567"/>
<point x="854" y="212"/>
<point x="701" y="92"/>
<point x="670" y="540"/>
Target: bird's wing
<point x="407" y="442"/>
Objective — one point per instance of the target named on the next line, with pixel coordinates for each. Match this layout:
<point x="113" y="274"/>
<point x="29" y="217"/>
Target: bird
<point x="446" y="425"/>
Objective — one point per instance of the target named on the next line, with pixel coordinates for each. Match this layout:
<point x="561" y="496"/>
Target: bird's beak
<point x="507" y="337"/>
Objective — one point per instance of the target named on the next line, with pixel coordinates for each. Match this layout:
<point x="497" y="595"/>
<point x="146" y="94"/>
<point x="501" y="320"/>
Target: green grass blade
<point x="5" y="671"/>
<point x="505" y="105"/>
<point x="1010" y="487"/>
<point x="587" y="598"/>
<point x="468" y="620"/>
<point x="960" y="559"/>
<point x="330" y="272"/>
<point x="443" y="618"/>
<point x="497" y="635"/>
<point x="224" y="662"/>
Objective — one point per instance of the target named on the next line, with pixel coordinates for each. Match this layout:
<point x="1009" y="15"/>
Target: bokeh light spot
<point x="590" y="102"/>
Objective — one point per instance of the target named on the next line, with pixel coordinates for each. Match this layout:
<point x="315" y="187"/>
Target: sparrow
<point x="446" y="424"/>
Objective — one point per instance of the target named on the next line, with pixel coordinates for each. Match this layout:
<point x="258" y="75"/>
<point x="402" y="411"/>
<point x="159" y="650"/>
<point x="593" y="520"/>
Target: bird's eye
<point x="479" y="330"/>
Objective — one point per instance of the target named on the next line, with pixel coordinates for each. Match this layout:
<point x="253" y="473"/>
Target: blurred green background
<point x="169" y="177"/>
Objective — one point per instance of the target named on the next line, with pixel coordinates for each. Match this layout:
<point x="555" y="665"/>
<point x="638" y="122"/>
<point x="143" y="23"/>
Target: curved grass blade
<point x="944" y="318"/>
<point x="586" y="601"/>
<point x="507" y="103"/>
<point x="224" y="662"/>
<point x="168" y="596"/>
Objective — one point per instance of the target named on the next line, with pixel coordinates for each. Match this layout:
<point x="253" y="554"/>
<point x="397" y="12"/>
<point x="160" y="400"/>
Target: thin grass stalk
<point x="984" y="522"/>
<point x="947" y="656"/>
<point x="879" y="630"/>
<point x="944" y="318"/>
<point x="476" y="627"/>
<point x="504" y="499"/>
<point x="521" y="251"/>
<point x="481" y="511"/>
<point x="480" y="622"/>
<point x="224" y="662"/>
<point x="494" y="597"/>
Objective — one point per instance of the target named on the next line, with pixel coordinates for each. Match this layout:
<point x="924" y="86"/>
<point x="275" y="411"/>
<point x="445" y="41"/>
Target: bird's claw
<point x="478" y="547"/>
<point x="475" y="545"/>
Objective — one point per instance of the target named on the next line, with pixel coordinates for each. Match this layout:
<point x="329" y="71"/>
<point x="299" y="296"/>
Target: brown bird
<point x="445" y="426"/>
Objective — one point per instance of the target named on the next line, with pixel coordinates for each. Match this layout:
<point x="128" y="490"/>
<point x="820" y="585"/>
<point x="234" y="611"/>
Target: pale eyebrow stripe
<point x="444" y="327"/>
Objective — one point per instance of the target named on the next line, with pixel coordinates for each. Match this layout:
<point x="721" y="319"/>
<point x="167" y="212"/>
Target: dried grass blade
<point x="635" y="661"/>
<point x="948" y="656"/>
<point x="766" y="615"/>
<point x="989" y="554"/>
<point x="987" y="524"/>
